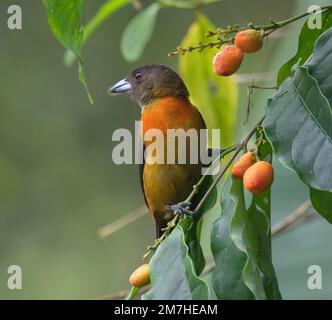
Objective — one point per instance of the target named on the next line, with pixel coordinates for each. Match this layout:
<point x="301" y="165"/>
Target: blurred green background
<point x="58" y="183"/>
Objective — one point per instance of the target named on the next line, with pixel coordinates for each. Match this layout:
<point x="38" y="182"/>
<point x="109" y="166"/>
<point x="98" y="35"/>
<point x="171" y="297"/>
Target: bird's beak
<point x="121" y="87"/>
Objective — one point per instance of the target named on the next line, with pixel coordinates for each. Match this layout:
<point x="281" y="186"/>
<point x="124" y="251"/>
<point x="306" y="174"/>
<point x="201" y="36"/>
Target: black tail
<point x="160" y="224"/>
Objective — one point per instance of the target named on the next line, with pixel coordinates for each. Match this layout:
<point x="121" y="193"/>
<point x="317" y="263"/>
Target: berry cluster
<point x="257" y="176"/>
<point x="228" y="60"/>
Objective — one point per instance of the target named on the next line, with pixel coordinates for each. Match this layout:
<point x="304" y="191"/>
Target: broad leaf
<point x="230" y="261"/>
<point x="320" y="64"/>
<point x="138" y="32"/>
<point x="259" y="232"/>
<point x="214" y="96"/>
<point x="193" y="235"/>
<point x="172" y="271"/>
<point x="241" y="243"/>
<point x="299" y="125"/>
<point x="104" y="12"/>
<point x="259" y="274"/>
<point x="65" y="18"/>
<point x="320" y="68"/>
<point x="306" y="43"/>
<point x="304" y="144"/>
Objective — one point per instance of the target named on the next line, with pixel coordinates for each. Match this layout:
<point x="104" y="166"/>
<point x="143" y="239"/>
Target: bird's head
<point x="151" y="82"/>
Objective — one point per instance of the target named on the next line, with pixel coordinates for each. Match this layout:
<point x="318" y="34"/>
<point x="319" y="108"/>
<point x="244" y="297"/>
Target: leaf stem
<point x="132" y="293"/>
<point x="292" y="218"/>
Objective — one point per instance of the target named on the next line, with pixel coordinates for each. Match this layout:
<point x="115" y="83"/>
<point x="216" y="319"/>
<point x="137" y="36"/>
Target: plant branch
<point x="122" y="222"/>
<point x="227" y="35"/>
<point x="250" y="91"/>
<point x="170" y="226"/>
<point x="292" y="218"/>
<point x="200" y="47"/>
<point x="238" y="149"/>
<point x="279" y="24"/>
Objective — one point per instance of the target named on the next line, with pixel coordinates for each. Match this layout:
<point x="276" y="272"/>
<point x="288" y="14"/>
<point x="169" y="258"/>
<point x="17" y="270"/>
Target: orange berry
<point x="245" y="161"/>
<point x="259" y="177"/>
<point x="249" y="41"/>
<point x="227" y="61"/>
<point x="141" y="276"/>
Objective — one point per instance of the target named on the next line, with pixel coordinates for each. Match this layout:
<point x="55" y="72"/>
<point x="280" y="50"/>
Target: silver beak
<point x="121" y="87"/>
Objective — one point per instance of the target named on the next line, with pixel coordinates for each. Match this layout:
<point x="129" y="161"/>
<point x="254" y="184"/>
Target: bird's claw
<point x="181" y="208"/>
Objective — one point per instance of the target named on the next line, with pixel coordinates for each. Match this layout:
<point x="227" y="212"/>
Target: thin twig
<point x="292" y="218"/>
<point x="122" y="222"/>
<point x="170" y="226"/>
<point x="250" y="91"/>
<point x="276" y="25"/>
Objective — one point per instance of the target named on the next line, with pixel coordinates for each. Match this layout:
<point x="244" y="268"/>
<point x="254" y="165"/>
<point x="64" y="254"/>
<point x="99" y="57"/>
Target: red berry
<point x="259" y="177"/>
<point x="227" y="61"/>
<point x="249" y="41"/>
<point x="240" y="167"/>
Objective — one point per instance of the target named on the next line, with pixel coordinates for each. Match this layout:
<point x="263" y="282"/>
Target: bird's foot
<point x="183" y="208"/>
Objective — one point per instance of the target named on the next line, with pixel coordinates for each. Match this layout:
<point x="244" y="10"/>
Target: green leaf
<point x="241" y="243"/>
<point x="138" y="32"/>
<point x="322" y="202"/>
<point x="299" y="125"/>
<point x="305" y="143"/>
<point x="230" y="261"/>
<point x="306" y="43"/>
<point x="320" y="64"/>
<point x="259" y="274"/>
<point x="108" y="8"/>
<point x="215" y="97"/>
<point x="320" y="67"/>
<point x="172" y="272"/>
<point x="193" y="235"/>
<point x="65" y="18"/>
<point x="258" y="234"/>
<point x="104" y="12"/>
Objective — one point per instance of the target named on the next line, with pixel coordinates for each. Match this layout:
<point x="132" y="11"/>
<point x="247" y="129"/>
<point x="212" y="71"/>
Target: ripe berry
<point x="141" y="276"/>
<point x="249" y="41"/>
<point x="259" y="177"/>
<point x="245" y="161"/>
<point x="227" y="61"/>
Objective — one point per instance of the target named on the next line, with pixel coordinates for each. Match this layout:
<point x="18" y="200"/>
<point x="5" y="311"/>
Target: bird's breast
<point x="170" y="113"/>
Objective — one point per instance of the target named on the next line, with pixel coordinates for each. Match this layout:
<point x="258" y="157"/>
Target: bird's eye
<point x="138" y="75"/>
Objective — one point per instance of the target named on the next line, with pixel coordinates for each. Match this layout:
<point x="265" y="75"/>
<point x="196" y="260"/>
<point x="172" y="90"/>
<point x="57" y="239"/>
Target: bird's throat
<point x="168" y="113"/>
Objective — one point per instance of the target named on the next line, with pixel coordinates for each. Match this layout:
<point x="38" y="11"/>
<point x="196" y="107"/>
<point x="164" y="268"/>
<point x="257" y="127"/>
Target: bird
<point x="165" y="104"/>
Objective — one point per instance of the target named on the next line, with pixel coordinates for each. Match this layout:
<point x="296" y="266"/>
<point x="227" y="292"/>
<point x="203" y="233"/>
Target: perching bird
<point x="164" y="99"/>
